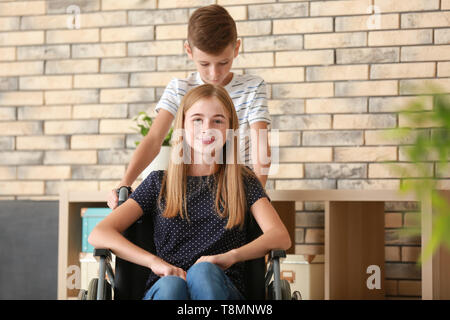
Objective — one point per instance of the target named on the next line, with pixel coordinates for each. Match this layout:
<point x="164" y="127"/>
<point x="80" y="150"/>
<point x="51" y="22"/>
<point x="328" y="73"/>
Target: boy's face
<point x="214" y="69"/>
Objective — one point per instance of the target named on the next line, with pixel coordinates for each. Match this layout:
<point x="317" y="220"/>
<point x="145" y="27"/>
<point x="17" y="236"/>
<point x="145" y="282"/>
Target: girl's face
<point x="205" y="125"/>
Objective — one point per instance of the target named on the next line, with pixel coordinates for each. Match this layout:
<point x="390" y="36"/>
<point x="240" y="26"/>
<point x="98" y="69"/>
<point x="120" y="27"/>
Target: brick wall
<point x="337" y="74"/>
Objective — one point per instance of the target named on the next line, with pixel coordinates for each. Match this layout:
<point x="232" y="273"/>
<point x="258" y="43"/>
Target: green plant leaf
<point x="430" y="150"/>
<point x="144" y="123"/>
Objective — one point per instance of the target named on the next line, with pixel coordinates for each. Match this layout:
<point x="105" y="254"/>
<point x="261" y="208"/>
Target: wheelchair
<point x="128" y="280"/>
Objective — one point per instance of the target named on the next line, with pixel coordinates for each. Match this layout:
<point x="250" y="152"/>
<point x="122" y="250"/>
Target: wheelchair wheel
<point x="92" y="290"/>
<point x="285" y="290"/>
<point x="296" y="295"/>
<point x="82" y="295"/>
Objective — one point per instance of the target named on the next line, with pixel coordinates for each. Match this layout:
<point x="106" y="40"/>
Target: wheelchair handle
<point x="123" y="194"/>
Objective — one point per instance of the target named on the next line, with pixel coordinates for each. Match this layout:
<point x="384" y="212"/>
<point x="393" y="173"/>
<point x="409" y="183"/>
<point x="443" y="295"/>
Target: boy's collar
<point x="198" y="78"/>
<point x="227" y="87"/>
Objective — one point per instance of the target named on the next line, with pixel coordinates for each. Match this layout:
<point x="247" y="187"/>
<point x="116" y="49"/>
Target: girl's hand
<point x="161" y="268"/>
<point x="113" y="200"/>
<point x="224" y="260"/>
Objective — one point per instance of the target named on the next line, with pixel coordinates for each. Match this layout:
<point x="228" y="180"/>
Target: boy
<point x="212" y="44"/>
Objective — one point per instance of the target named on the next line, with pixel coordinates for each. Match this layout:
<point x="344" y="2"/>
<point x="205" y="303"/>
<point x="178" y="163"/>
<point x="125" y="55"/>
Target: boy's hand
<point x="224" y="260"/>
<point x="113" y="199"/>
<point x="161" y="268"/>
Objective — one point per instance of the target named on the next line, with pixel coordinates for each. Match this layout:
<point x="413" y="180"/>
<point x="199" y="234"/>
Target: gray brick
<point x="158" y="17"/>
<point x="301" y="122"/>
<point x="442" y="36"/>
<point x="368" y="184"/>
<point x="273" y="43"/>
<point x="7" y="143"/>
<point x="333" y="138"/>
<point x="302" y="90"/>
<point x="335" y="171"/>
<point x="98" y="172"/>
<point x="367" y="55"/>
<point x="402" y="206"/>
<point x="114" y="156"/>
<point x="127" y="95"/>
<point x="174" y="63"/>
<point x="60" y="6"/>
<point x="291" y="106"/>
<point x="299" y="235"/>
<point x="55" y="187"/>
<point x="272" y="11"/>
<point x="128" y="64"/>
<point x="402" y="271"/>
<point x="9" y="83"/>
<point x="305" y="184"/>
<point x="314" y="205"/>
<point x="21" y="157"/>
<point x="42" y="143"/>
<point x="335" y="40"/>
<point x="364" y="121"/>
<point x="20" y="128"/>
<point x="43" y="52"/>
<point x="309" y="219"/>
<point x="102" y="50"/>
<point x="70" y="157"/>
<point x="71" y="66"/>
<point x="389" y="104"/>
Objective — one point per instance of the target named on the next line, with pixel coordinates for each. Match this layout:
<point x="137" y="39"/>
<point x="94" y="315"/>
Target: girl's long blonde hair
<point x="230" y="198"/>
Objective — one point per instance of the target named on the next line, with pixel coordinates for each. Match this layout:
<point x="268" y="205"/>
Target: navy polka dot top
<point x="181" y="242"/>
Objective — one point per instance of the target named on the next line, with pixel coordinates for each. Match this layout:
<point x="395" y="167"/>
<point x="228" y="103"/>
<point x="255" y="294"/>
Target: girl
<point x="198" y="208"/>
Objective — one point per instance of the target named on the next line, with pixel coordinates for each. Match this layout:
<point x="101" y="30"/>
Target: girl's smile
<point x="208" y="140"/>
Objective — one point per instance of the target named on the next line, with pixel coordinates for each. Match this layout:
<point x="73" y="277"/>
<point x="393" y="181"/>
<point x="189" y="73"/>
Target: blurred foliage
<point x="144" y="123"/>
<point x="429" y="132"/>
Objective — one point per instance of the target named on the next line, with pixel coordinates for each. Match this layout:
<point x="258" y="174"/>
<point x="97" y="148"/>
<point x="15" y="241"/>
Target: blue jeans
<point x="204" y="281"/>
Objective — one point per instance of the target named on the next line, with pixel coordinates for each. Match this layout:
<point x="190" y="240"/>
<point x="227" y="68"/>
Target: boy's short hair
<point x="211" y="29"/>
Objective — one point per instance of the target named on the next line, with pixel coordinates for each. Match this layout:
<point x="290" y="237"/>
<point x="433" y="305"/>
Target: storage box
<point x="305" y="274"/>
<point x="90" y="218"/>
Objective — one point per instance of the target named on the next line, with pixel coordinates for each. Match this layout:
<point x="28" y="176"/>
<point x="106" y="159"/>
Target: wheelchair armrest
<point x="276" y="254"/>
<point x="106" y="253"/>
